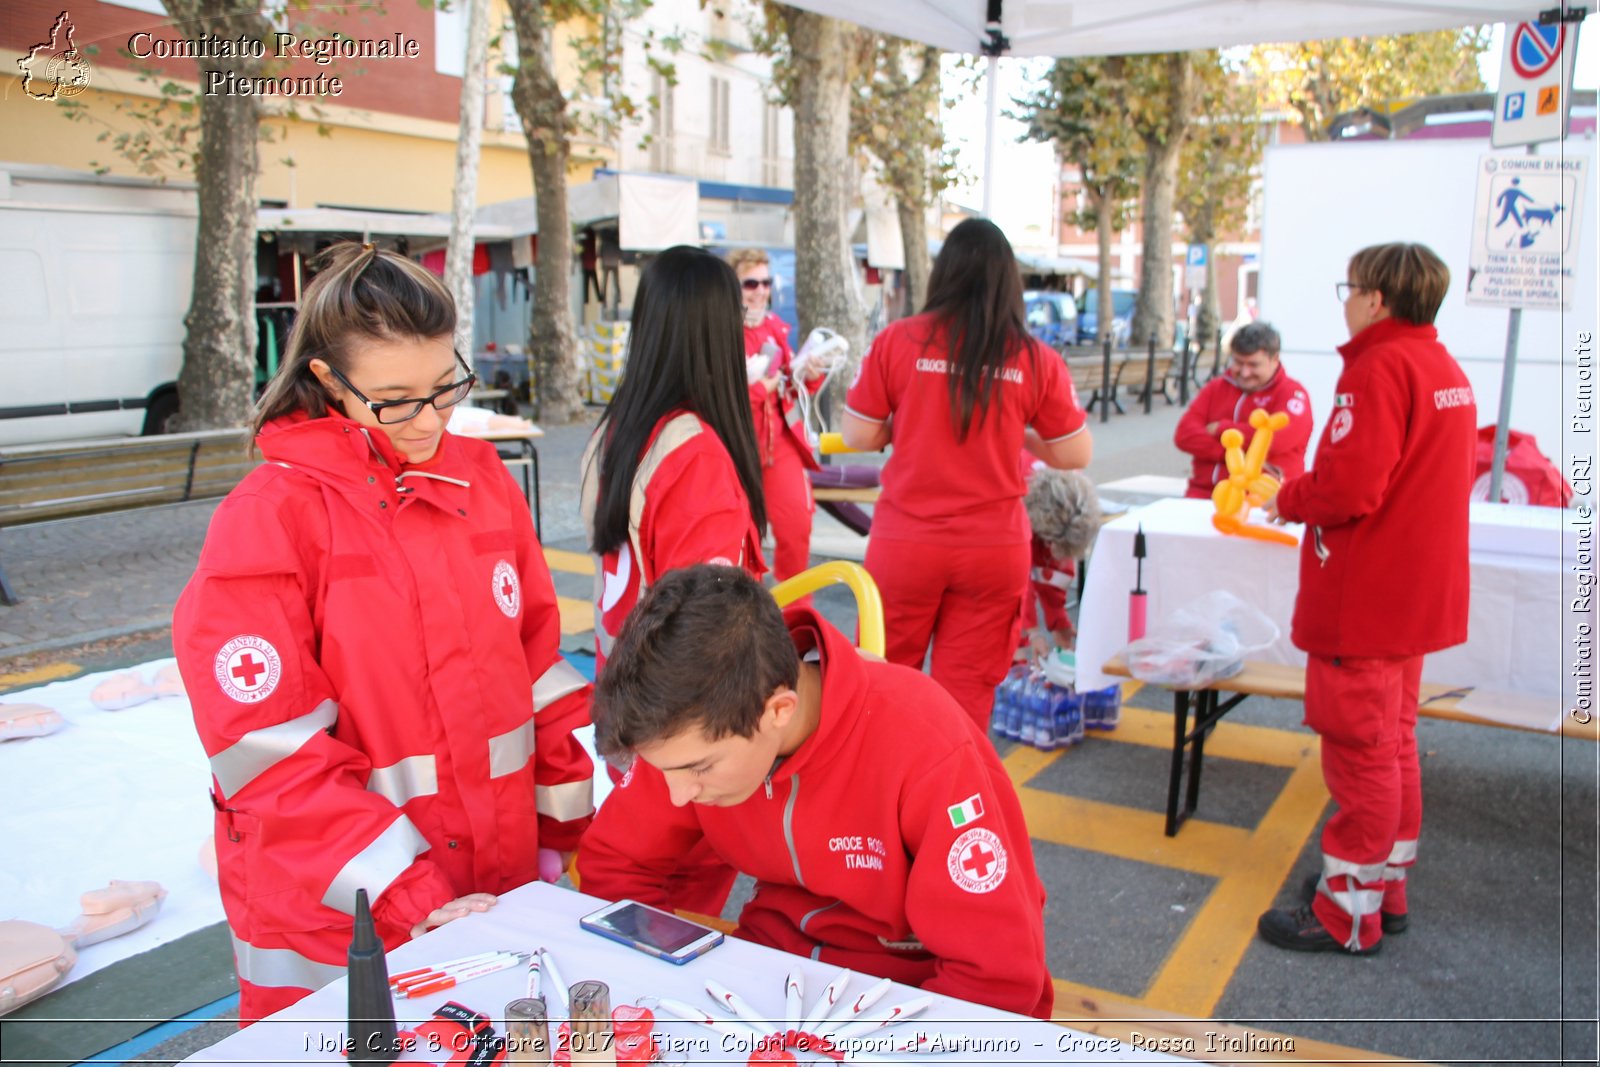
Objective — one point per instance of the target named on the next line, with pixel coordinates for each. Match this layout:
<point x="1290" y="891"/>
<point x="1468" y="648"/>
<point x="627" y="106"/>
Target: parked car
<point x="1052" y="317"/>
<point x="1122" y="301"/>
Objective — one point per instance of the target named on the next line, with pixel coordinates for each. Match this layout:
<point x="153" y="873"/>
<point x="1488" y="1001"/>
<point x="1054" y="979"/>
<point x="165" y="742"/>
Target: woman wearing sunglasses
<point x="780" y="435"/>
<point x="370" y="644"/>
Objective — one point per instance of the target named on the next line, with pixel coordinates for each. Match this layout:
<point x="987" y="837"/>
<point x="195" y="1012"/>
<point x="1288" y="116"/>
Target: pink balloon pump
<point x="1136" y="598"/>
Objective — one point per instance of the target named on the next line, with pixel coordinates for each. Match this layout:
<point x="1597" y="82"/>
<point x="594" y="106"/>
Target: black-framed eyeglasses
<point x="1344" y="289"/>
<point x="753" y="284"/>
<point x="389" y="412"/>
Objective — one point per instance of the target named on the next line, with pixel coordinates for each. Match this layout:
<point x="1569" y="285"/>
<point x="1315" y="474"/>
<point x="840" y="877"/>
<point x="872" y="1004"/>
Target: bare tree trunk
<point x="919" y="265"/>
<point x="542" y="107"/>
<point x="1152" y="317"/>
<point x="216" y="385"/>
<point x="464" y="190"/>
<point x="826" y="288"/>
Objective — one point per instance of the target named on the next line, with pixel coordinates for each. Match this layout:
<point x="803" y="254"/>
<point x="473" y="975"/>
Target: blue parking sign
<point x="1515" y="103"/>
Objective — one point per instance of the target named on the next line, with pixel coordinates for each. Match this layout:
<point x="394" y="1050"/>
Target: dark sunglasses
<point x="389" y="412"/>
<point x="753" y="284"/>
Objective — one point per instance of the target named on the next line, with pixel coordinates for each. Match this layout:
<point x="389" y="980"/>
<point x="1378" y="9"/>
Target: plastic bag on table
<point x="1202" y="642"/>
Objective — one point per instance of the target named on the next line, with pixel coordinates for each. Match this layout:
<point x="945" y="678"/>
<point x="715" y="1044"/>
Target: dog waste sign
<point x="1525" y="232"/>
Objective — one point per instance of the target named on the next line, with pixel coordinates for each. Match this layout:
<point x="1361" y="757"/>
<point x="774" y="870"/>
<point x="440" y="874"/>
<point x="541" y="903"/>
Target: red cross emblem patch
<point x="507" y="589"/>
<point x="248" y="668"/>
<point x="977" y="861"/>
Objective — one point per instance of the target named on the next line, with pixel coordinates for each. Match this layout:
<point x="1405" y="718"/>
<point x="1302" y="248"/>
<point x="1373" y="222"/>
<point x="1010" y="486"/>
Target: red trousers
<point x="1366" y="712"/>
<point x="790" y="507"/>
<point x="966" y="601"/>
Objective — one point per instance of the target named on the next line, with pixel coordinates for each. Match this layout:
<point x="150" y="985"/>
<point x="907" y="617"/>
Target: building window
<point x="720" y="100"/>
<point x="450" y="41"/>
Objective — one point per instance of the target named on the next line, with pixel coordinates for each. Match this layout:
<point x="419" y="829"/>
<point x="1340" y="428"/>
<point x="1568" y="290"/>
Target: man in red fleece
<point x="1384" y="579"/>
<point x="1255" y="378"/>
<point x="879" y="824"/>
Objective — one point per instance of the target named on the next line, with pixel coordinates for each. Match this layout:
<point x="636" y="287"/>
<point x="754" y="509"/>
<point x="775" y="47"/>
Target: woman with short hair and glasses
<point x="370" y="644"/>
<point x="786" y="455"/>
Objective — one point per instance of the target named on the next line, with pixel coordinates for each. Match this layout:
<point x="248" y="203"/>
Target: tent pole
<point x="988" y="134"/>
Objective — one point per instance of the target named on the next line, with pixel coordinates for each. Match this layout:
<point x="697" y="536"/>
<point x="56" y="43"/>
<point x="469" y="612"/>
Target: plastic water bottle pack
<point x="1039" y="706"/>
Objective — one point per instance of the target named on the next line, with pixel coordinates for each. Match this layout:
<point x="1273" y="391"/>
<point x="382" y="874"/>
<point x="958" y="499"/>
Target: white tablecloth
<point x="546" y="915"/>
<point x="1514" y="641"/>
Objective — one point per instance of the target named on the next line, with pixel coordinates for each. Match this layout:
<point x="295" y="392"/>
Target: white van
<point x="96" y="276"/>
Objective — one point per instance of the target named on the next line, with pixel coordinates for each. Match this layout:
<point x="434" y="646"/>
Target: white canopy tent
<point x="1124" y="27"/>
<point x="651" y="211"/>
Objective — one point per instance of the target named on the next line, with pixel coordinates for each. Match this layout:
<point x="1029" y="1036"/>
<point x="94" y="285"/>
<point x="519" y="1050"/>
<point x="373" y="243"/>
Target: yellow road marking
<point x="1230" y="740"/>
<point x="570" y="562"/>
<point x="1025" y="762"/>
<point x="577" y="616"/>
<point x="38" y="676"/>
<point x="1113" y="830"/>
<point x="1196" y="974"/>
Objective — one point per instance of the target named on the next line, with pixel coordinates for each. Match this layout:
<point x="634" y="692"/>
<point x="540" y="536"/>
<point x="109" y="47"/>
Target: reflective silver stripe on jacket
<point x="376" y="867"/>
<point x="281" y="967"/>
<point x="511" y="751"/>
<point x="412" y="777"/>
<point x="560" y="680"/>
<point x="565" y="802"/>
<point x="1403" y="854"/>
<point x="680" y="429"/>
<point x="259" y="750"/>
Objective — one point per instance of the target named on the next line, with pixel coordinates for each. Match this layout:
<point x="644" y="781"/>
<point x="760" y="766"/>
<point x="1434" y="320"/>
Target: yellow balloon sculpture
<point x="1246" y="486"/>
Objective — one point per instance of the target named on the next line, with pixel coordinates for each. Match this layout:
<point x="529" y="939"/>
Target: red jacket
<point x="1049" y="580"/>
<point x="891" y="842"/>
<point x="1383" y="566"/>
<point x="371" y="652"/>
<point x="776" y="415"/>
<point x="687" y="506"/>
<point x="1225" y="404"/>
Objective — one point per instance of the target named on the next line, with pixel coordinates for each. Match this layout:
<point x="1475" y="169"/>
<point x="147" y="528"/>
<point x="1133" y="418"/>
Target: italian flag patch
<point x="969" y="810"/>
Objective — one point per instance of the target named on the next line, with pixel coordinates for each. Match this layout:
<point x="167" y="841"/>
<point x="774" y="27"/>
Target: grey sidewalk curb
<point x="87" y="637"/>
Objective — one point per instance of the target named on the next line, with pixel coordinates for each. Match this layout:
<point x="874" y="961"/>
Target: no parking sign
<point x="1535" y="83"/>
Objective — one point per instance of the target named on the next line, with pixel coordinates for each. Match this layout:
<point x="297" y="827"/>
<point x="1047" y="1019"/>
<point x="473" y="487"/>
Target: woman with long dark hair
<point x="960" y="390"/>
<point x="672" y="476"/>
<point x="371" y="646"/>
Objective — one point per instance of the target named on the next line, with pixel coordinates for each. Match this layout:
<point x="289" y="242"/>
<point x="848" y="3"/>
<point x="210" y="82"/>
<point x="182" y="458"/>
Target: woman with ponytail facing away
<point x="960" y="390"/>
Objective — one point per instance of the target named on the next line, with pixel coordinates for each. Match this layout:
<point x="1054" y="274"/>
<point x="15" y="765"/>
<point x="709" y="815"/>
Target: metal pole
<point x="988" y="134"/>
<point x="1184" y="363"/>
<point x="1105" y="383"/>
<point x="1502" y="424"/>
<point x="1149" y="374"/>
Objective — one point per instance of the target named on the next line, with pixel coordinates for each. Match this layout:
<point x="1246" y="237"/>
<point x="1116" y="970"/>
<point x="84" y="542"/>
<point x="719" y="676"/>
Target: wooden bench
<point x="1282" y="682"/>
<point x="70" y="479"/>
<point x="1089" y="380"/>
<point x="1142" y="373"/>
